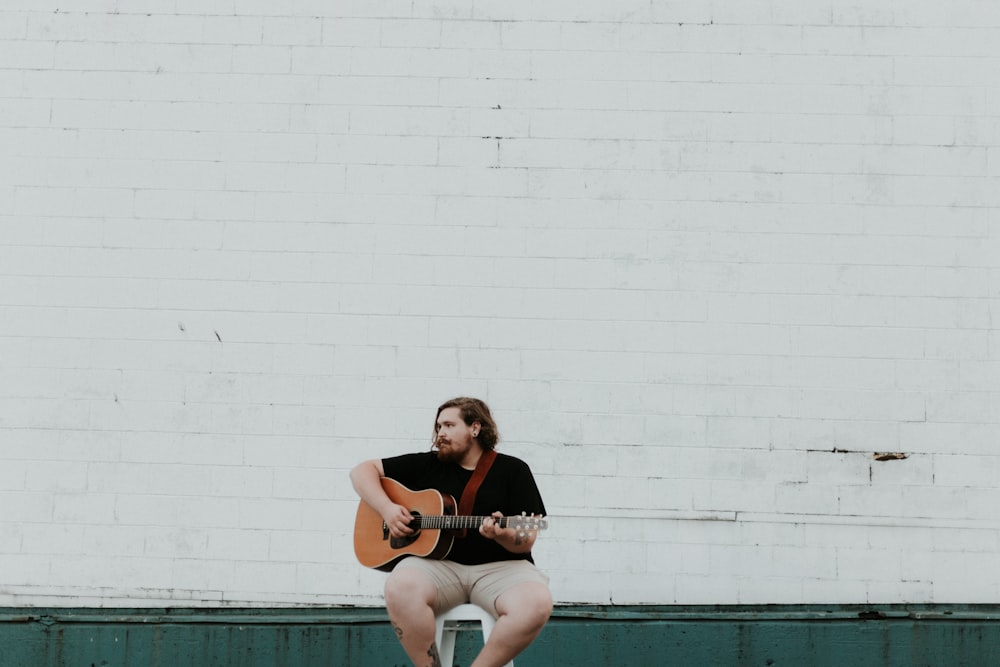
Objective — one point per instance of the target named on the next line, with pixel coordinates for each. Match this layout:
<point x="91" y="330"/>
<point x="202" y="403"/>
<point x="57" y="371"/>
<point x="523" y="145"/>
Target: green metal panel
<point x="168" y="638"/>
<point x="885" y="636"/>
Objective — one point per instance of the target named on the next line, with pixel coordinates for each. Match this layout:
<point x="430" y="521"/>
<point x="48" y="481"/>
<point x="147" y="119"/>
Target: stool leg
<point x="448" y="624"/>
<point x="446" y="643"/>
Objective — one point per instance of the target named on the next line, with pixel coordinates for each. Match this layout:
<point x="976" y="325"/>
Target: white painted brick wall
<point x="705" y="260"/>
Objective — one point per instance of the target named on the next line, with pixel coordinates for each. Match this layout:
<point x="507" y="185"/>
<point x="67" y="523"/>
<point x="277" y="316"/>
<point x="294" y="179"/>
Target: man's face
<point x="454" y="436"/>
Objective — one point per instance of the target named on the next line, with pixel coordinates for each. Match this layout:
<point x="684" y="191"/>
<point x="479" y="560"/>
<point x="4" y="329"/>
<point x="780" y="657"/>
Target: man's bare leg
<point x="523" y="610"/>
<point x="409" y="599"/>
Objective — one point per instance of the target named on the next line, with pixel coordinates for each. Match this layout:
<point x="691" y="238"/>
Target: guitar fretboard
<point x="447" y="522"/>
<point x="453" y="522"/>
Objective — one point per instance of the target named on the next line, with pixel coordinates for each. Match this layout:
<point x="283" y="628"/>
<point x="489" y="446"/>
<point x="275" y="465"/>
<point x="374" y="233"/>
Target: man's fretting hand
<point x="490" y="528"/>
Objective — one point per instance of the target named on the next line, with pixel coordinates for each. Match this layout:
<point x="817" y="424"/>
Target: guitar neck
<point x="448" y="522"/>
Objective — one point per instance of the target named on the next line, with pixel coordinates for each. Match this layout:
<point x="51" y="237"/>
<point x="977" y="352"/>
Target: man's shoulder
<point x="510" y="462"/>
<point x="412" y="455"/>
<point x="410" y="459"/>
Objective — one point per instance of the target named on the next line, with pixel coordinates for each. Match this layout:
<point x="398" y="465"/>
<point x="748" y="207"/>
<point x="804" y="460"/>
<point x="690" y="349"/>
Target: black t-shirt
<point x="509" y="488"/>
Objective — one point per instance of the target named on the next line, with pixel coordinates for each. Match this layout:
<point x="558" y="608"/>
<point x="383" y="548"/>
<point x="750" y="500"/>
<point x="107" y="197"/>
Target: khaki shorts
<point x="478" y="584"/>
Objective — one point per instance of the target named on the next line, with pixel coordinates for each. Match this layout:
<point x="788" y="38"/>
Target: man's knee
<point x="540" y="606"/>
<point x="408" y="587"/>
<point x="531" y="603"/>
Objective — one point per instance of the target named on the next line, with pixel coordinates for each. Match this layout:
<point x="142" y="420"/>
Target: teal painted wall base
<point x="817" y="636"/>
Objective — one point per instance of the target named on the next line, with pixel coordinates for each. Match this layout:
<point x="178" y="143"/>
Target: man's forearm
<point x="366" y="479"/>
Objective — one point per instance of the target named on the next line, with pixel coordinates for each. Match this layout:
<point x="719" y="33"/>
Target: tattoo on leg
<point x="398" y="630"/>
<point x="435" y="658"/>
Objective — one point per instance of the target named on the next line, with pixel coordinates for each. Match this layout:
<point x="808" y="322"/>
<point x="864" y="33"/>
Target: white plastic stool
<point x="448" y="624"/>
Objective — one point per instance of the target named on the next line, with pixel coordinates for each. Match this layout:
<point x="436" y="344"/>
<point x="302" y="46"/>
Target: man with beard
<point x="491" y="567"/>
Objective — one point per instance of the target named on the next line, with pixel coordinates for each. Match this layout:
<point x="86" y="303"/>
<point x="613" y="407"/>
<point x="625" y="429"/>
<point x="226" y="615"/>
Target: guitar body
<point x="375" y="548"/>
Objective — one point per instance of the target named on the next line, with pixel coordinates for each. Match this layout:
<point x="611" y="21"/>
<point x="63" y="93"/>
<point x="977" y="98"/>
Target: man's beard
<point x="449" y="455"/>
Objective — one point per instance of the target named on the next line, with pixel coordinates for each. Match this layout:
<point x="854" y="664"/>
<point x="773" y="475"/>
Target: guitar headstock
<point x="527" y="523"/>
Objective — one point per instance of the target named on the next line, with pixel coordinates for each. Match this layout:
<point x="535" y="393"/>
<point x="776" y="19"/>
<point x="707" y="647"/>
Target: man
<point x="491" y="567"/>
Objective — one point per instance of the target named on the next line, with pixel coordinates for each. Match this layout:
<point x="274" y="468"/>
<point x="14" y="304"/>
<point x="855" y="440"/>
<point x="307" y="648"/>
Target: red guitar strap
<point x="472" y="487"/>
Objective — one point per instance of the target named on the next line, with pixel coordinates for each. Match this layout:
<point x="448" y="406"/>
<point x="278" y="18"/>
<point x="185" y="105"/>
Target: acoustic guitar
<point x="434" y="526"/>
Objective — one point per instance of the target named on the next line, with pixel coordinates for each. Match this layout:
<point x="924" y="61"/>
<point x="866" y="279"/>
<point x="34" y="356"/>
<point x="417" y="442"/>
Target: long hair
<point x="473" y="410"/>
